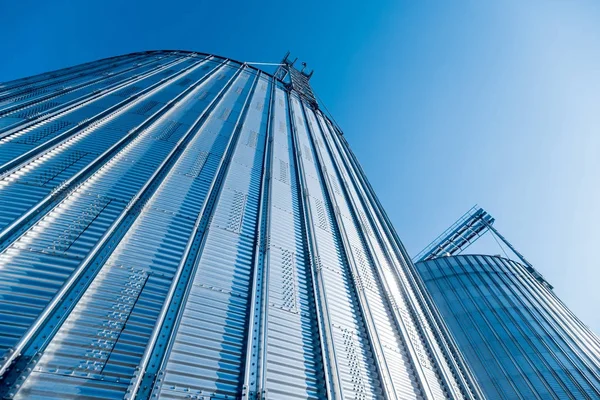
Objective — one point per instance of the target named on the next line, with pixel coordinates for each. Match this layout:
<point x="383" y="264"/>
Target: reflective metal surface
<point x="180" y="225"/>
<point x="519" y="339"/>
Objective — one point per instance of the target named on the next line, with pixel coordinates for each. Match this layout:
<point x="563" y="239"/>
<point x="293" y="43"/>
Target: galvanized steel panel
<point x="179" y="225"/>
<point x="518" y="337"/>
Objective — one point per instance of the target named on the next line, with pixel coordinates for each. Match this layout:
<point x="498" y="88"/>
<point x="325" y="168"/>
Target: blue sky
<point x="446" y="104"/>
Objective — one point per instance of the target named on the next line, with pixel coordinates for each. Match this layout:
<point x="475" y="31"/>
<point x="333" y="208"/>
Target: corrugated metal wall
<point x="518" y="337"/>
<point x="180" y="225"/>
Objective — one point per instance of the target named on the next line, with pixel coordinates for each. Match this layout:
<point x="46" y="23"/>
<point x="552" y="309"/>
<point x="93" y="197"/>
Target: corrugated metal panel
<point x="208" y="347"/>
<point x="293" y="362"/>
<point x="393" y="347"/>
<point x="147" y="75"/>
<point x="518" y="338"/>
<point x="354" y="353"/>
<point x="435" y="350"/>
<point x="48" y="80"/>
<point x="138" y="156"/>
<point x="179" y="225"/>
<point x="96" y="140"/>
<point x="77" y="88"/>
<point x="64" y="123"/>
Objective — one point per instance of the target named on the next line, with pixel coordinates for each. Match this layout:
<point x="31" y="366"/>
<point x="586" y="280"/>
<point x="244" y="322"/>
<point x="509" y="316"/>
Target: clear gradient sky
<point x="446" y="104"/>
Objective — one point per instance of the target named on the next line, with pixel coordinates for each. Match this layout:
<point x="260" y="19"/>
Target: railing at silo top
<point x="460" y="235"/>
<point x="464" y="232"/>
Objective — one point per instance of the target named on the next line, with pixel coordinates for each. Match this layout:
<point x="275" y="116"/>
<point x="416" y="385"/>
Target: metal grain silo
<point x="519" y="340"/>
<point x="181" y="225"/>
